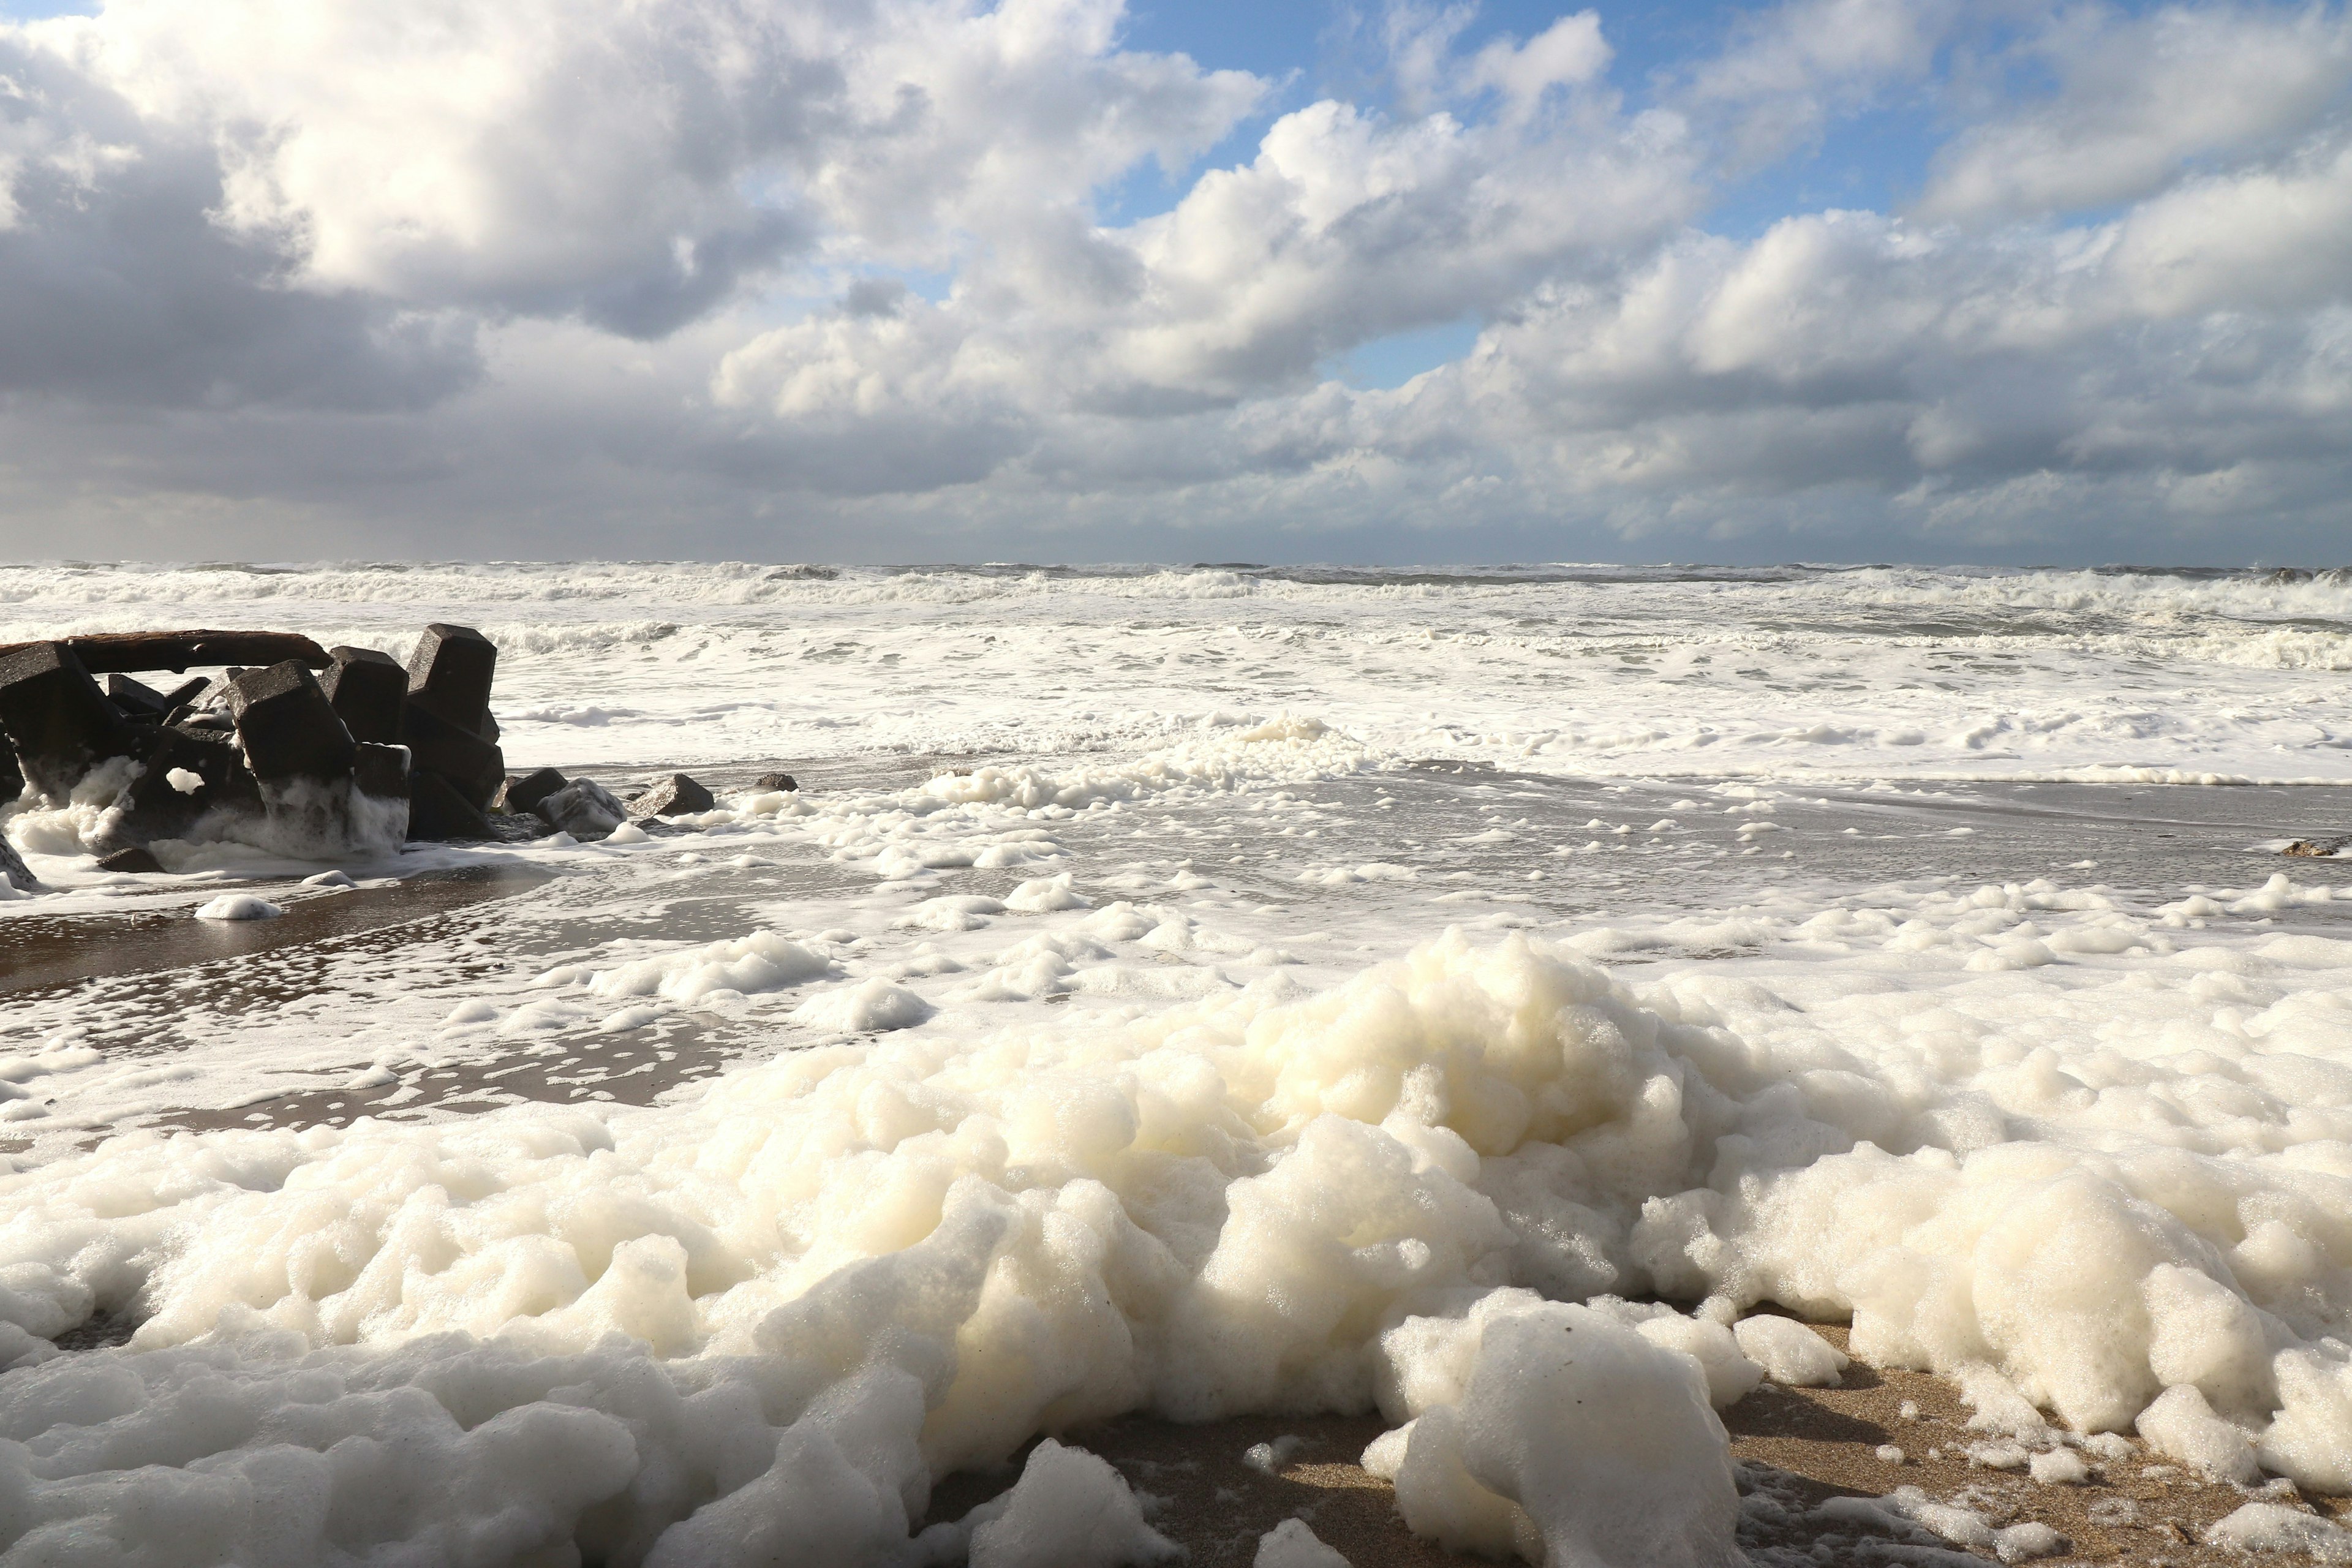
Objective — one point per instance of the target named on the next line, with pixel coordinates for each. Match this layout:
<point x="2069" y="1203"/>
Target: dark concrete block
<point x="136" y="860"/>
<point x="135" y="699"/>
<point x="769" y="783"/>
<point x="524" y="792"/>
<point x="13" y="869"/>
<point x="437" y="812"/>
<point x="369" y="689"/>
<point x="187" y="691"/>
<point x="287" y="727"/>
<point x="160" y="807"/>
<point x="12" y="777"/>
<point x="380" y="771"/>
<point x="55" y="718"/>
<point x="676" y="795"/>
<point x="472" y="765"/>
<point x="450" y="673"/>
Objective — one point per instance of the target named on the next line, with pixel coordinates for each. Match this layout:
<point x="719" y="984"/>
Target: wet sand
<point x="1804" y="1444"/>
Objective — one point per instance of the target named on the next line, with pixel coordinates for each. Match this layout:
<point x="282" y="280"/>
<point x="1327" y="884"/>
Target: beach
<point x="1179" y="1010"/>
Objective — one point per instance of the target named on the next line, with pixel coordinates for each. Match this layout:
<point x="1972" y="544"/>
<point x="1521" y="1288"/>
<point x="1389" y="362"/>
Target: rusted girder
<point x="103" y="653"/>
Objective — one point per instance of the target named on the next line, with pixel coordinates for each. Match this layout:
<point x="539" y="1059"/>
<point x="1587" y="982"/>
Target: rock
<point x="767" y="783"/>
<point x="380" y="771"/>
<point x="287" y="727"/>
<point x="676" y="795"/>
<point x="516" y="827"/>
<point x="521" y="794"/>
<point x="583" y="808"/>
<point x="468" y="764"/>
<point x="13" y="869"/>
<point x="135" y="699"/>
<point x="436" y="811"/>
<point x="160" y="807"/>
<point x="54" y="717"/>
<point x="12" y="780"/>
<point x="450" y="674"/>
<point x="2316" y="846"/>
<point x="187" y="691"/>
<point x="136" y="860"/>
<point x="368" y="689"/>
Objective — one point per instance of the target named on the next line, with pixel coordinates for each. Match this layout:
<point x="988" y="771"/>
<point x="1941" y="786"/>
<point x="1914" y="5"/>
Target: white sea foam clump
<point x="847" y="1270"/>
<point x="763" y="961"/>
<point x="238" y="907"/>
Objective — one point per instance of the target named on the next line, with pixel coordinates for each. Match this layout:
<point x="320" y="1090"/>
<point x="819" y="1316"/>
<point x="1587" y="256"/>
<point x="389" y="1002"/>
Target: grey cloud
<point x="116" y="287"/>
<point x="645" y="302"/>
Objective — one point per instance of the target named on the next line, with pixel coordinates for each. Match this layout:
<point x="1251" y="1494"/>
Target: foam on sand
<point x="843" y="1272"/>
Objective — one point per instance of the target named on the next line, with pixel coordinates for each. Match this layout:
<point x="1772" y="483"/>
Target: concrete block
<point x="471" y="765"/>
<point x="437" y="812"/>
<point x="380" y="771"/>
<point x="57" y="720"/>
<point x="287" y="727"/>
<point x="450" y="673"/>
<point x="368" y="689"/>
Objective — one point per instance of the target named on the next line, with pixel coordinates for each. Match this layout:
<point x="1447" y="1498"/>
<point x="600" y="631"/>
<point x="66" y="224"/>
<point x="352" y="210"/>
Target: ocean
<point x="1210" y="992"/>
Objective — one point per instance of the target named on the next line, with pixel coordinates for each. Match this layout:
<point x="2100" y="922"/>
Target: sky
<point x="1072" y="280"/>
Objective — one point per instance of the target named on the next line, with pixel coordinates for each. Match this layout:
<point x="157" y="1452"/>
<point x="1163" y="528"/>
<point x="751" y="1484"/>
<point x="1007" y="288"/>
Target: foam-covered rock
<point x="583" y="808"/>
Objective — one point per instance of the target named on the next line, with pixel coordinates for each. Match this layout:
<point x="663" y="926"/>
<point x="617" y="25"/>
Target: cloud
<point x="2139" y="100"/>
<point x="858" y="277"/>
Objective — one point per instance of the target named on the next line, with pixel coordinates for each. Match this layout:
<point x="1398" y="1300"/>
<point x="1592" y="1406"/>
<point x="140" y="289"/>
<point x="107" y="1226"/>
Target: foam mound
<point x="770" y="1317"/>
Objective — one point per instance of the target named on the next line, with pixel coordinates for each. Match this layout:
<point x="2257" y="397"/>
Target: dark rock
<point x="767" y="783"/>
<point x="380" y="771"/>
<point x="516" y="827"/>
<point x="55" y="718"/>
<point x="450" y="674"/>
<point x="159" y="808"/>
<point x="287" y="727"/>
<point x="470" y="764"/>
<point x="13" y="869"/>
<point x="12" y="778"/>
<point x="368" y="689"/>
<point x="436" y="811"/>
<point x="523" y="793"/>
<point x="488" y="728"/>
<point x="187" y="691"/>
<point x="2317" y="846"/>
<point x="583" y="808"/>
<point x="135" y="698"/>
<point x="136" y="860"/>
<point x="677" y="796"/>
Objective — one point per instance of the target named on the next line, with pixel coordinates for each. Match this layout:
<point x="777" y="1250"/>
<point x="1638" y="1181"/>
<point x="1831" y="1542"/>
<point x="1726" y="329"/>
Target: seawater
<point x="1209" y="991"/>
<point x="1795" y="672"/>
